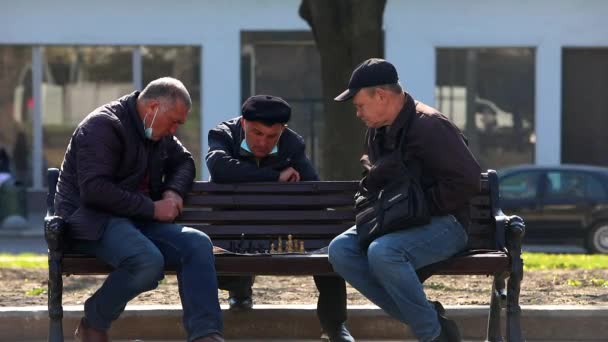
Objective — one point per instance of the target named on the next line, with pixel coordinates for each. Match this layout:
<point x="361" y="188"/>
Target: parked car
<point x="565" y="204"/>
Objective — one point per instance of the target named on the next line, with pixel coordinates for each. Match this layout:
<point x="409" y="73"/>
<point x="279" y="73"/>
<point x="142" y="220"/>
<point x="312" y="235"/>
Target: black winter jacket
<point x="105" y="164"/>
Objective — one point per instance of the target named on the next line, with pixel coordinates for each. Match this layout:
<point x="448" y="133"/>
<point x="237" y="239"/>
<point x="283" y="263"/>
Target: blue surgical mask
<point x="245" y="147"/>
<point x="148" y="131"/>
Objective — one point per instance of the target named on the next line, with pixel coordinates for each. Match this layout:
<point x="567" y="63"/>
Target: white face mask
<point x="148" y="131"/>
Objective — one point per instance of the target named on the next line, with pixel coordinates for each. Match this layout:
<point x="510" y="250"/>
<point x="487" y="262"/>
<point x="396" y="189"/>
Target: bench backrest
<point x="248" y="217"/>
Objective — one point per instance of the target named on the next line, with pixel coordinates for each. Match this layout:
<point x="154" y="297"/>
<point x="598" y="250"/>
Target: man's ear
<point x="381" y="94"/>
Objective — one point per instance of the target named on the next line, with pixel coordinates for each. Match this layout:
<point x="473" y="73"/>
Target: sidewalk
<point x="293" y="322"/>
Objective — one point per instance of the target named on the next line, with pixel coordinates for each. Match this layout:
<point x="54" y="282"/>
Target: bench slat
<point x="269" y="200"/>
<point x="276" y="187"/>
<point x="275" y="230"/>
<point x="273" y="216"/>
<point x="305" y="265"/>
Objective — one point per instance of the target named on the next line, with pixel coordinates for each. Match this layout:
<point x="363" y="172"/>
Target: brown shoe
<point x="210" y="338"/>
<point x="85" y="333"/>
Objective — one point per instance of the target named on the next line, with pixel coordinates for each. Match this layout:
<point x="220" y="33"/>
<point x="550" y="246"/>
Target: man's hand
<point x="175" y="197"/>
<point x="165" y="210"/>
<point x="289" y="175"/>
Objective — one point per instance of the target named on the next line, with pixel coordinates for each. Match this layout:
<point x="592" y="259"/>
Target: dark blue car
<point x="565" y="204"/>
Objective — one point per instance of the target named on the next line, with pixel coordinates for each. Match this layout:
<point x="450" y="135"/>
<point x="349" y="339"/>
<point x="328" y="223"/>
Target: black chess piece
<point x="242" y="243"/>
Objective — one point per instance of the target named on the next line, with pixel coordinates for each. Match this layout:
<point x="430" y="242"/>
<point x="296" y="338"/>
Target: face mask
<point x="245" y="147"/>
<point x="148" y="131"/>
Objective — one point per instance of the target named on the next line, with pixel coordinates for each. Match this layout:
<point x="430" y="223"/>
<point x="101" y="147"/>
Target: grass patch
<point x="23" y="260"/>
<point x="543" y="261"/>
<point x="37" y="291"/>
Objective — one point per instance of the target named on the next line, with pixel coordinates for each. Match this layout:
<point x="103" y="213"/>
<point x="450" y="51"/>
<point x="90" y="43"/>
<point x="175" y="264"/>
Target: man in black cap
<point x="386" y="272"/>
<point x="258" y="147"/>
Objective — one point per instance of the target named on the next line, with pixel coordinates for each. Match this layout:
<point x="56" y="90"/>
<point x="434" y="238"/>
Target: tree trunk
<point x="347" y="32"/>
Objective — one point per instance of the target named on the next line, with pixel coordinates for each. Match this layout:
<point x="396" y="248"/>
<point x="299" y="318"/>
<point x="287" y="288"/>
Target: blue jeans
<point x="139" y="251"/>
<point x="386" y="275"/>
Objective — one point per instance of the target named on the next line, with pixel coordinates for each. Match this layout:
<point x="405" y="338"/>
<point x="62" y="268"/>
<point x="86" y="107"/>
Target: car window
<point x="594" y="188"/>
<point x="565" y="185"/>
<point x="522" y="185"/>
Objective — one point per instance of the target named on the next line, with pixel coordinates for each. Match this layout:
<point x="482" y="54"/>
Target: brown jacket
<point x="449" y="172"/>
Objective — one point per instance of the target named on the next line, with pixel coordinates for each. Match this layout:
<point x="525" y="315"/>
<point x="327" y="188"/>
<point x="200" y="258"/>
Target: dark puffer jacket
<point x="106" y="163"/>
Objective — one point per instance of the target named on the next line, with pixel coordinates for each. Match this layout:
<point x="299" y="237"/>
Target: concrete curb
<point x="163" y="322"/>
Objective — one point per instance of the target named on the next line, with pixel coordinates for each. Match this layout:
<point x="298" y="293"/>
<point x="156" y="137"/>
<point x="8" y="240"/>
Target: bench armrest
<point x="54" y="232"/>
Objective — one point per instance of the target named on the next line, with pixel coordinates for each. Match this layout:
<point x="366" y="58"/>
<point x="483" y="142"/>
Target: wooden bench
<point x="249" y="216"/>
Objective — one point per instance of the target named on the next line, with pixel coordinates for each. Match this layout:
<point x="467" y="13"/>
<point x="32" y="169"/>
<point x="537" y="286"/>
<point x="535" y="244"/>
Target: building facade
<point x="524" y="79"/>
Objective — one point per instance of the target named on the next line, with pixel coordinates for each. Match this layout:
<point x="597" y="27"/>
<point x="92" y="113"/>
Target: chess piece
<point x="272" y="250"/>
<point x="280" y="248"/>
<point x="302" y="250"/>
<point x="289" y="244"/>
<point x="242" y="244"/>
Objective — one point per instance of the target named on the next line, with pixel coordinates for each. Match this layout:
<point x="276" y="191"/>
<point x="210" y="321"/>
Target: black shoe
<point x="337" y="334"/>
<point x="240" y="303"/>
<point x="449" y="329"/>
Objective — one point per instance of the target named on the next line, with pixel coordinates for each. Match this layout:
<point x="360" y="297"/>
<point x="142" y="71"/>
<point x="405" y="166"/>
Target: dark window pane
<point x="287" y="64"/>
<point x="16" y="107"/>
<point x="566" y="185"/>
<point x="584" y="106"/>
<point x="489" y="94"/>
<point x="594" y="188"/>
<point x="519" y="186"/>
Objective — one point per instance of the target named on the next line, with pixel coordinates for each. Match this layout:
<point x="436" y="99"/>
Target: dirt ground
<point x="21" y="287"/>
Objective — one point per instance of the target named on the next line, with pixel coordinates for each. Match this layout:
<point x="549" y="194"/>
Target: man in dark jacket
<point x="121" y="185"/>
<point x="386" y="274"/>
<point x="257" y="147"/>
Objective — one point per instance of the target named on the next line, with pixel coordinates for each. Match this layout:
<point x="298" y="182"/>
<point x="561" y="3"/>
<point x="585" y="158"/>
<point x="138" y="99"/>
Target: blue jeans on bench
<point x="386" y="275"/>
<point x="139" y="252"/>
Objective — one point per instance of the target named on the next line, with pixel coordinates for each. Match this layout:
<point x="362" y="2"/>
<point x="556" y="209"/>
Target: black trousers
<point x="331" y="306"/>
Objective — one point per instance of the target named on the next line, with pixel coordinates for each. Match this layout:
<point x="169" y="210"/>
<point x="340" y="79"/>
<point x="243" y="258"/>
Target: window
<point x="16" y="106"/>
<point x="595" y="189"/>
<point x="584" y="106"/>
<point x="76" y="80"/>
<point x="489" y="94"/>
<point x="566" y="185"/>
<point x="287" y="64"/>
<point x="523" y="185"/>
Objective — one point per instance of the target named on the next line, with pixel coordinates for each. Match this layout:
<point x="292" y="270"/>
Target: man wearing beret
<point x="386" y="271"/>
<point x="258" y="147"/>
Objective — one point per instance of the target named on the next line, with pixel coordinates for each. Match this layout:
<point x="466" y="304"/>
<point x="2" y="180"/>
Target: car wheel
<point x="597" y="240"/>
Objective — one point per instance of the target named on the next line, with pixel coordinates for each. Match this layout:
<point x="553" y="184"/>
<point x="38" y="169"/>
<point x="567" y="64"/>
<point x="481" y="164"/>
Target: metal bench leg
<point x="515" y="232"/>
<point x="498" y="296"/>
<point x="53" y="230"/>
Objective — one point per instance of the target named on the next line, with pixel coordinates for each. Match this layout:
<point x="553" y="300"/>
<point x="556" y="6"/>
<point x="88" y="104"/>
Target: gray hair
<point x="396" y="88"/>
<point x="167" y="88"/>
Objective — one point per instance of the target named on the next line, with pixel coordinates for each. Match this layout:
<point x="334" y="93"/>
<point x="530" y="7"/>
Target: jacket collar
<point x="401" y="124"/>
<point x="137" y="122"/>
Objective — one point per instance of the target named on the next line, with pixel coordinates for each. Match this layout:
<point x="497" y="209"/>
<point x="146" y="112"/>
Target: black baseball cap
<point x="372" y="72"/>
<point x="267" y="109"/>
